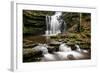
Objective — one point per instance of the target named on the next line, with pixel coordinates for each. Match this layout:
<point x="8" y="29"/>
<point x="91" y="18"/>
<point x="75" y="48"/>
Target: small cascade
<point x="55" y="24"/>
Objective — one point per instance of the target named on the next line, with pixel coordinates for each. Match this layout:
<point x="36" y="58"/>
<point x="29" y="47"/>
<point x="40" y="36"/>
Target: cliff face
<point x="34" y="22"/>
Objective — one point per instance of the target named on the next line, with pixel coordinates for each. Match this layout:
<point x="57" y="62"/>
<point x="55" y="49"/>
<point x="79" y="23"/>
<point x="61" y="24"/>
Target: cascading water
<point x="54" y="24"/>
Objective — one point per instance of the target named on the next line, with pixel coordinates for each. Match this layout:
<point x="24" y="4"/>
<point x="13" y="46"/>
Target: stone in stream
<point x="52" y="49"/>
<point x="29" y="45"/>
<point x="31" y="56"/>
<point x="55" y="43"/>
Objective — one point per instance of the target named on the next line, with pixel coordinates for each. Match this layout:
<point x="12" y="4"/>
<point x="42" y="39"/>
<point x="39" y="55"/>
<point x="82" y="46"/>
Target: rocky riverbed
<point x="31" y="55"/>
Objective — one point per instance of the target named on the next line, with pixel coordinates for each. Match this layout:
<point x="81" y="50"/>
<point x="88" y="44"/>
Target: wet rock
<point x="30" y="56"/>
<point x="52" y="49"/>
<point x="29" y="45"/>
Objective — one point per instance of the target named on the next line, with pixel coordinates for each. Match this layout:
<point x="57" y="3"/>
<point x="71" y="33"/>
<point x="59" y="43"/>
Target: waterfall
<point x="54" y="24"/>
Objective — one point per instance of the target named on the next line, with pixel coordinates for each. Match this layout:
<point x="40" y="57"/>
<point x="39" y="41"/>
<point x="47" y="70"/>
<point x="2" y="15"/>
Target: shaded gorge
<point x="56" y="36"/>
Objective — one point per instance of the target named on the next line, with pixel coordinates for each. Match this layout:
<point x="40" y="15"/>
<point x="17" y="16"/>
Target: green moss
<point x="37" y="13"/>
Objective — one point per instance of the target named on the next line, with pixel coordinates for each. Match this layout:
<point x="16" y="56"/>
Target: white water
<point x="64" y="53"/>
<point x="54" y="23"/>
<point x="80" y="50"/>
<point x="41" y="47"/>
<point x="64" y="48"/>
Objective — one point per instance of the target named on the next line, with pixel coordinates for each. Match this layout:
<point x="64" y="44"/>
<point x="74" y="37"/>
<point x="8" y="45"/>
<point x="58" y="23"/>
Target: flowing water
<point x="65" y="53"/>
<point x="54" y="24"/>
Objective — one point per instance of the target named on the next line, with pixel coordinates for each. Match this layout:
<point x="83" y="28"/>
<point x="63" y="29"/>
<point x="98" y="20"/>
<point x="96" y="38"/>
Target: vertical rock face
<point x="35" y="25"/>
<point x="34" y="22"/>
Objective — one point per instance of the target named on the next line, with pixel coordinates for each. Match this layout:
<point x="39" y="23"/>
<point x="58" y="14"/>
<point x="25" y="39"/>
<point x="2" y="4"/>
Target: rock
<point x="52" y="49"/>
<point x="29" y="45"/>
<point x="30" y="56"/>
<point x="55" y="43"/>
